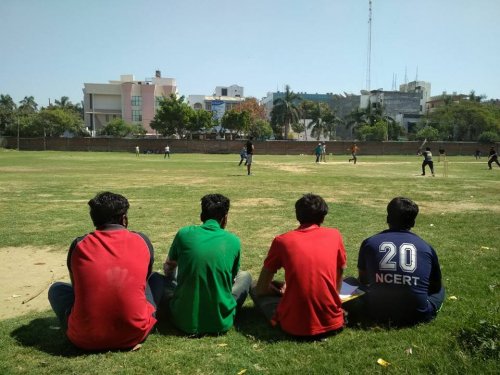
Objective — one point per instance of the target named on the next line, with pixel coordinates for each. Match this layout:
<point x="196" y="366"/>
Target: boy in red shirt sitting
<point x="307" y="304"/>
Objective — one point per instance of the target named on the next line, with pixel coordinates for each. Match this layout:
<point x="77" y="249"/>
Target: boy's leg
<point x="241" y="287"/>
<point x="356" y="308"/>
<point x="154" y="288"/>
<point x="266" y="304"/>
<point x="61" y="299"/>
<point x="436" y="300"/>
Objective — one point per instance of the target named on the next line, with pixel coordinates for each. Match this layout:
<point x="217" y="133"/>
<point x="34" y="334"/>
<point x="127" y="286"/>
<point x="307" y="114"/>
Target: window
<point x="107" y="118"/>
<point x="136" y="101"/>
<point x="224" y="92"/>
<point x="136" y="115"/>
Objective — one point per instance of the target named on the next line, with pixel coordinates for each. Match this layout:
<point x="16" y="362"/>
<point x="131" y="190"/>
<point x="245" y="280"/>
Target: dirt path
<point x="25" y="276"/>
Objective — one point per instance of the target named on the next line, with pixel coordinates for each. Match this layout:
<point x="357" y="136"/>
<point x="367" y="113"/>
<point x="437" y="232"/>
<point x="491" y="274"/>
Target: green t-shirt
<point x="208" y="259"/>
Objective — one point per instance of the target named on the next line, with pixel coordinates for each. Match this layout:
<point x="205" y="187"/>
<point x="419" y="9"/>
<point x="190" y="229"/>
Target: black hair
<point x="428" y="148"/>
<point x="401" y="213"/>
<point x="214" y="206"/>
<point x="311" y="209"/>
<point x="107" y="208"/>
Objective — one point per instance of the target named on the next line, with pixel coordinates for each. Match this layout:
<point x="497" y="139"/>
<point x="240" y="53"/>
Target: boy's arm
<point x="340" y="273"/>
<point x="265" y="285"/>
<point x="169" y="268"/>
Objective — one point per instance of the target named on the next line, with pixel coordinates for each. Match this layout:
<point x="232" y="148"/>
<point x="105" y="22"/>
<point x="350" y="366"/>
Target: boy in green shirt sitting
<point x="203" y="263"/>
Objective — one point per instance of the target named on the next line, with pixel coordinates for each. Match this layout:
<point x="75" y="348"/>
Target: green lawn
<point x="43" y="203"/>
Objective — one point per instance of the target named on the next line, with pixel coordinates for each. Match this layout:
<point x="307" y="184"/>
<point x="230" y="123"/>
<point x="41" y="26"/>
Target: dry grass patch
<point x="25" y="276"/>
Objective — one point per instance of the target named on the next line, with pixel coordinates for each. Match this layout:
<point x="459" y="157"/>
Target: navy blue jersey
<point x="401" y="270"/>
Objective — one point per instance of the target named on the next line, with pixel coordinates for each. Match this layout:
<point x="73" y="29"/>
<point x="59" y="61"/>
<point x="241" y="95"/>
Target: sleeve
<point x="151" y="252"/>
<point x="362" y="256"/>
<point x="71" y="250"/>
<point x="236" y="264"/>
<point x="273" y="261"/>
<point x="173" y="253"/>
<point x="435" y="277"/>
<point x="341" y="254"/>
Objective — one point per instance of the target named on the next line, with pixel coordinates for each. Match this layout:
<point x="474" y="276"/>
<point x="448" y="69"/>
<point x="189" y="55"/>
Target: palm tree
<point x="285" y="110"/>
<point x="318" y="125"/>
<point x="323" y="121"/>
<point x="64" y="102"/>
<point x="356" y="118"/>
<point x="28" y="105"/>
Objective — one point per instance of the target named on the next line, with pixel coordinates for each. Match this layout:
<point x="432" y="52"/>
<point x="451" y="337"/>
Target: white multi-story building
<point x="132" y="100"/>
<point x="223" y="99"/>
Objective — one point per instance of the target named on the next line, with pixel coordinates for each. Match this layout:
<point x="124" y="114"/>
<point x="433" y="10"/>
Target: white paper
<point x="347" y="290"/>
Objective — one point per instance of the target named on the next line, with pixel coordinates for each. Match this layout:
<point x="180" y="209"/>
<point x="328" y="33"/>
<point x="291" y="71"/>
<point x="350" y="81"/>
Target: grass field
<point x="43" y="204"/>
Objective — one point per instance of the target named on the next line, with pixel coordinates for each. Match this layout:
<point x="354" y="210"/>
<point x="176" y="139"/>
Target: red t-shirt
<point x="110" y="269"/>
<point x="312" y="257"/>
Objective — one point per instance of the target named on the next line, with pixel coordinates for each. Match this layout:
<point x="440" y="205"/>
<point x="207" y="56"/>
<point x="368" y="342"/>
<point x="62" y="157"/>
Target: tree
<point x="355" y="119"/>
<point x="260" y="129"/>
<point x="306" y="108"/>
<point x="28" y="106"/>
<point x="323" y="121"/>
<point x="429" y="133"/>
<point x="255" y="110"/>
<point x="464" y="121"/>
<point x="7" y="112"/>
<point x="66" y="104"/>
<point x="374" y="116"/>
<point x="54" y="122"/>
<point x="172" y="117"/>
<point x="120" y="128"/>
<point x="375" y="132"/>
<point x="199" y="121"/>
<point x="285" y="110"/>
<point x="236" y="121"/>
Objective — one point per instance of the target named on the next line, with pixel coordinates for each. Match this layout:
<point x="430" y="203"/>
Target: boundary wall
<point x="157" y="145"/>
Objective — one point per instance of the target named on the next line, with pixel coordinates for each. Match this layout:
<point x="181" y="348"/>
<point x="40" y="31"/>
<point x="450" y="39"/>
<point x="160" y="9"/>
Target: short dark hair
<point x="107" y="208"/>
<point x="214" y="206"/>
<point x="311" y="209"/>
<point x="401" y="213"/>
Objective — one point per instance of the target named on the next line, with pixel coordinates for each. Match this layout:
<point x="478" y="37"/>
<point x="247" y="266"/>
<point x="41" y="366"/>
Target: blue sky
<point x="51" y="47"/>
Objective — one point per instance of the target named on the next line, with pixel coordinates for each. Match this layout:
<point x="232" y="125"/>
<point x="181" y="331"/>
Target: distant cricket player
<point x="427" y="154"/>
<point x="354" y="151"/>
<point x="492" y="157"/>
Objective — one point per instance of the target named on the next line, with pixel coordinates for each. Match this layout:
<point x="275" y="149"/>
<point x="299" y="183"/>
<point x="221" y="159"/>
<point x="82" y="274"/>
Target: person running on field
<point x="354" y="151"/>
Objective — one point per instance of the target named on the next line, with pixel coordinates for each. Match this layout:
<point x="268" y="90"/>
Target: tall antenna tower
<point x="369" y="55"/>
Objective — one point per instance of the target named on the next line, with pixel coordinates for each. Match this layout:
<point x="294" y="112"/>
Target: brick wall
<point x="226" y="147"/>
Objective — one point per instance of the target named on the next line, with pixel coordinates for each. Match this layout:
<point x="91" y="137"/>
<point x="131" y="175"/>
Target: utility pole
<point x="369" y="54"/>
<point x="18" y="133"/>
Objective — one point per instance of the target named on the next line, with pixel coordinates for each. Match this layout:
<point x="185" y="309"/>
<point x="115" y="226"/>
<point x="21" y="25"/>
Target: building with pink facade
<point x="134" y="101"/>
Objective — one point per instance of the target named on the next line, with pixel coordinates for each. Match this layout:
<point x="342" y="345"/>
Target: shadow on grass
<point x="44" y="334"/>
<point x="252" y="323"/>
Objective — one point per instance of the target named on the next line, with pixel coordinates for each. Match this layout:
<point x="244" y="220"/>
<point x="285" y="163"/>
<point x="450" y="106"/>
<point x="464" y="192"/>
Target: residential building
<point x="132" y="100"/>
<point x="223" y="99"/>
<point x="405" y="106"/>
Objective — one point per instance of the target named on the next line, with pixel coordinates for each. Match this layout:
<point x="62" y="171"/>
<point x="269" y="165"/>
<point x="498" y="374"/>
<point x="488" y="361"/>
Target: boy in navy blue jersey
<point x="400" y="271"/>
